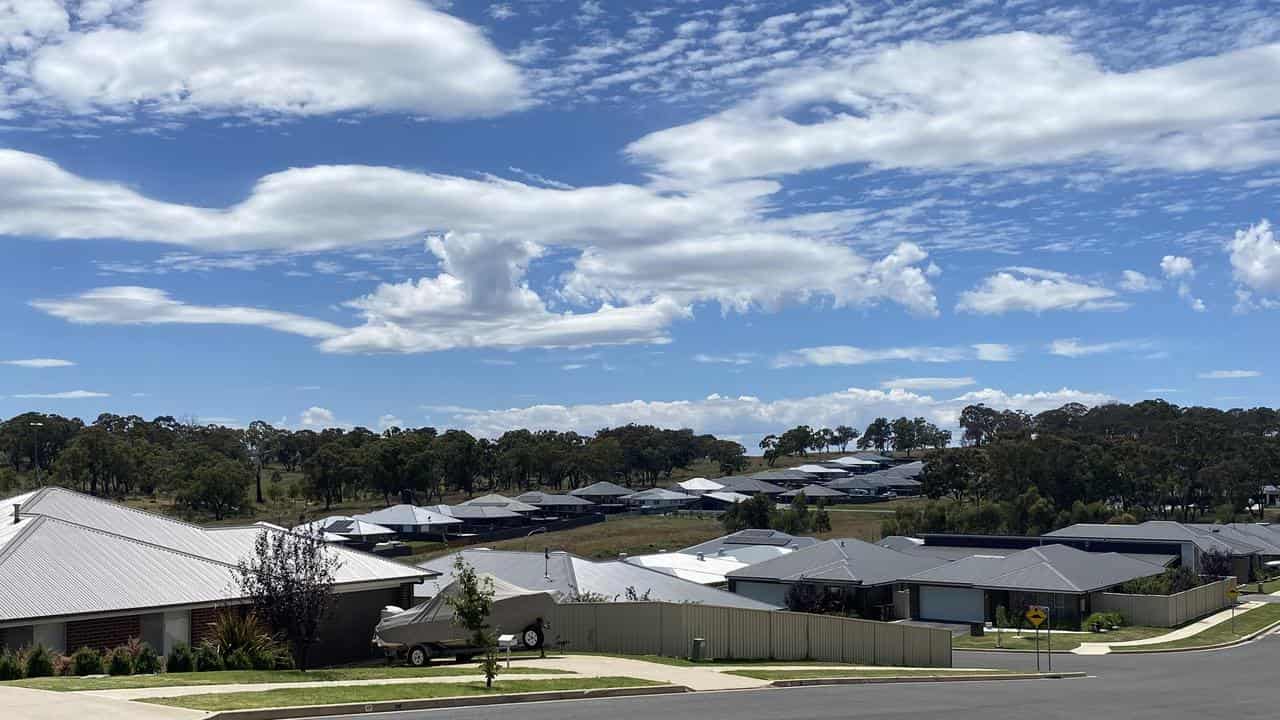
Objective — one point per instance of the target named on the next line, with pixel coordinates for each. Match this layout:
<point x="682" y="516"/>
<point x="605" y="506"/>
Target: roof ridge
<point x="135" y="541"/>
<point x="1039" y="550"/>
<point x="110" y="503"/>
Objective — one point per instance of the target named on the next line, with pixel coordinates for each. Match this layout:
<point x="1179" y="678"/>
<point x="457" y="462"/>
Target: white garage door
<point x="951" y="604"/>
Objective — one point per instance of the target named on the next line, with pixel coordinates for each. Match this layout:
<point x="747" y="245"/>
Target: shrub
<point x="207" y="658"/>
<point x="86" y="661"/>
<point x="180" y="659"/>
<point x="119" y="662"/>
<point x="10" y="668"/>
<point x="38" y="662"/>
<point x="245" y="634"/>
<point x="62" y="665"/>
<point x="238" y="660"/>
<point x="146" y="661"/>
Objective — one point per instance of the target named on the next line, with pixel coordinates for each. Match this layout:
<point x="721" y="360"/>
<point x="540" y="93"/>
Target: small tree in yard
<point x="471" y="605"/>
<point x="289" y="580"/>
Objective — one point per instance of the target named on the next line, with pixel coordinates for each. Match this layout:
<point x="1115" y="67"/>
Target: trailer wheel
<point x="419" y="656"/>
<point x="532" y="637"/>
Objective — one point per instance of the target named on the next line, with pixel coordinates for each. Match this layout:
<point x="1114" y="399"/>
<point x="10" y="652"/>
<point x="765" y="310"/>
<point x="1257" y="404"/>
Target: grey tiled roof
<point x="842" y="561"/>
<point x="1049" y="568"/>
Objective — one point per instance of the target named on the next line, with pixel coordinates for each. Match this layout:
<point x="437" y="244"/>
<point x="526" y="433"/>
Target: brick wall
<point x="104" y="633"/>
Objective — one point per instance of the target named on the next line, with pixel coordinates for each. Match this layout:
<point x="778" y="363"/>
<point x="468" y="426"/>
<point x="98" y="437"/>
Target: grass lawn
<point x="1268" y="587"/>
<point x="286" y="697"/>
<point x="631" y="535"/>
<point x="229" y="677"/>
<point x="1061" y="641"/>
<point x="861" y="673"/>
<point x="1246" y="623"/>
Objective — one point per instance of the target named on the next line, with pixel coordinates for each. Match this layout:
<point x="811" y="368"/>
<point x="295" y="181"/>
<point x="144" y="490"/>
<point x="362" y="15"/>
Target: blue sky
<point x="734" y="217"/>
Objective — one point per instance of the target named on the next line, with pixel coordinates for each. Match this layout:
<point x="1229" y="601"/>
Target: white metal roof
<point x="72" y="554"/>
<point x="700" y="484"/>
<point x="406" y="514"/>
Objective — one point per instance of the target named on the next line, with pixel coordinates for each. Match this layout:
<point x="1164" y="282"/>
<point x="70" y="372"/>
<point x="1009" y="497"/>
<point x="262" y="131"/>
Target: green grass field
<point x="1061" y="641"/>
<point x="1246" y="623"/>
<point x="288" y="697"/>
<point x="241" y="677"/>
<point x="863" y="673"/>
<point x="631" y="535"/>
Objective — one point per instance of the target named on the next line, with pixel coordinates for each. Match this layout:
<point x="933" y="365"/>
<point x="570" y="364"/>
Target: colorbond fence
<point x="1167" y="610"/>
<point x="667" y="629"/>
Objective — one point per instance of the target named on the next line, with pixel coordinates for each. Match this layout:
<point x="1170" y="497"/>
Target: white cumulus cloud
<point x="317" y="417"/>
<point x="1255" y="259"/>
<point x="1035" y="290"/>
<point x="294" y="57"/>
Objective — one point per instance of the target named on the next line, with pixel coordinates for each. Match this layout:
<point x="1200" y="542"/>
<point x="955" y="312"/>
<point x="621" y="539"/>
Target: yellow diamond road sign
<point x="1036" y="615"/>
<point x="1233" y="593"/>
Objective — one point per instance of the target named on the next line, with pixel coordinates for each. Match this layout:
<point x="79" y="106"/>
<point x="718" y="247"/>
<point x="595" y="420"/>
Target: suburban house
<point x="862" y="575"/>
<point x="411" y="520"/>
<point x="1194" y="543"/>
<point x="76" y="570"/>
<point x="658" y="499"/>
<point x="697" y="486"/>
<point x="558" y="504"/>
<point x="822" y="472"/>
<point x="572" y="579"/>
<point x="1062" y="578"/>
<point x="814" y="493"/>
<point x="481" y="518"/>
<point x="709" y="562"/>
<point x="349" y="529"/>
<point x="857" y="486"/>
<point x="901" y="479"/>
<point x="851" y="463"/>
<point x="751" y="485"/>
<point x="606" y="495"/>
<point x="1271" y="495"/>
<point x="775" y="482"/>
<point x="494" y="500"/>
<point x="719" y="500"/>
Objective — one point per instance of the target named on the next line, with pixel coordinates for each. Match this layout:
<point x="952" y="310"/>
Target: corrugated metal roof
<point x="476" y="512"/>
<point x="1163" y="530"/>
<point x="659" y="494"/>
<point x="405" y="514"/>
<point x="132" y="558"/>
<point x="569" y="576"/>
<point x="848" y="560"/>
<point x="753" y="484"/>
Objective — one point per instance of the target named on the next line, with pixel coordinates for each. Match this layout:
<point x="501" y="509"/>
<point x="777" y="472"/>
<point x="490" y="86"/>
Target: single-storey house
<point x="351" y="529"/>
<point x="862" y="575"/>
<point x="559" y="504"/>
<point x="719" y="500"/>
<point x="750" y="485"/>
<point x="1195" y="543"/>
<point x="495" y="500"/>
<point x="1062" y="578"/>
<point x="785" y="477"/>
<point x="481" y="518"/>
<point x="572" y="579"/>
<point x="659" y="499"/>
<point x="822" y="472"/>
<point x="697" y="486"/>
<point x="814" y="493"/>
<point x="708" y="562"/>
<point x="411" y="520"/>
<point x="606" y="495"/>
<point x="77" y="570"/>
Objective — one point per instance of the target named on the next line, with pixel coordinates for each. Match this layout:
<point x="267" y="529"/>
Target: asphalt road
<point x="1240" y="683"/>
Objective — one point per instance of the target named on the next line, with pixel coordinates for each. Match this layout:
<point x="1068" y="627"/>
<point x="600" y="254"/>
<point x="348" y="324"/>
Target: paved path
<point x="25" y="704"/>
<point x="1185" y="631"/>
<point x="178" y="690"/>
<point x="1238" y="683"/>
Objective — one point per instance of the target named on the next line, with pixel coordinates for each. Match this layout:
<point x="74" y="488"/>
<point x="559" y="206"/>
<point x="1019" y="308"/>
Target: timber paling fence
<point x="668" y="629"/>
<point x="1168" y="610"/>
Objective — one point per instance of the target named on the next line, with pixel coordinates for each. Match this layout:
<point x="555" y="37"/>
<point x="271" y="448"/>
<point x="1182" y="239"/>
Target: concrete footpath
<point x="1185" y="631"/>
<point x="27" y="704"/>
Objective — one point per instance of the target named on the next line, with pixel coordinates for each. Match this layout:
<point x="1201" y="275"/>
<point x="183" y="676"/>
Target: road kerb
<point x="299" y="711"/>
<point x="1217" y="646"/>
<point x="976" y="677"/>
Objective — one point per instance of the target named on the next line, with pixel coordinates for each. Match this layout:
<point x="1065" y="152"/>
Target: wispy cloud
<point x="829" y="355"/>
<point x="66" y="395"/>
<point x="38" y="363"/>
<point x="1229" y="374"/>
<point x="1074" y="347"/>
<point x="928" y="383"/>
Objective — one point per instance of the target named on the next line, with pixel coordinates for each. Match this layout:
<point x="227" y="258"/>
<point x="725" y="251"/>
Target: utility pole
<point x="35" y="429"/>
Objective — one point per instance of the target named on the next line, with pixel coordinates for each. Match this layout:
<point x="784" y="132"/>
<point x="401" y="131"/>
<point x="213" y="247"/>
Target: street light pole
<point x="35" y="428"/>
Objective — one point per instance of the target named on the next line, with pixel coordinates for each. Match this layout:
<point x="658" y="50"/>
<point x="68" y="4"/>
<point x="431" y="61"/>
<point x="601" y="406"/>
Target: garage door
<point x="951" y="604"/>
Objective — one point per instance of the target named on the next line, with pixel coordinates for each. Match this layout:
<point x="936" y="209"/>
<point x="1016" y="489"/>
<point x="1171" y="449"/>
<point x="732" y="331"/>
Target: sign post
<point x="1232" y="594"/>
<point x="1036" y="615"/>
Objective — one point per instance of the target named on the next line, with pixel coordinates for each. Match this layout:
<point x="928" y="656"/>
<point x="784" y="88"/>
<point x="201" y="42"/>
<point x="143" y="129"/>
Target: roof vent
<point x="17" y="510"/>
<point x="701" y="556"/>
